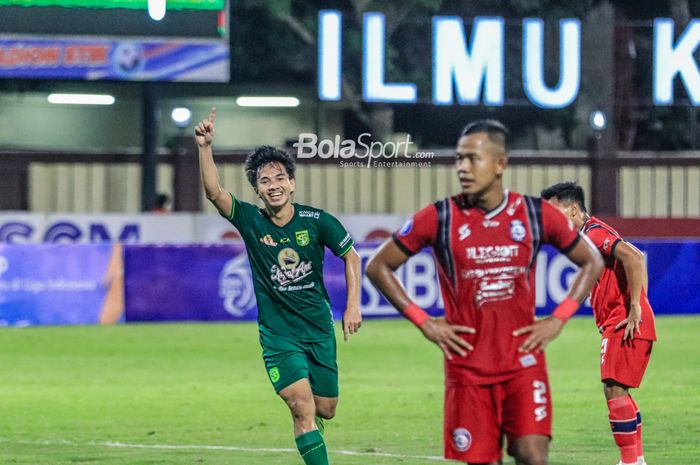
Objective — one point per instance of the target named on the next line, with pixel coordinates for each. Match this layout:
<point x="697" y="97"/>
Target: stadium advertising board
<point x="24" y="228"/>
<point x="49" y="284"/>
<point x="472" y="69"/>
<point x="114" y="40"/>
<point x="54" y="284"/>
<point x="214" y="283"/>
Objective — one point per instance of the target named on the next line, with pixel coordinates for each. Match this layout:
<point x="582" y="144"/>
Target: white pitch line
<point x="221" y="448"/>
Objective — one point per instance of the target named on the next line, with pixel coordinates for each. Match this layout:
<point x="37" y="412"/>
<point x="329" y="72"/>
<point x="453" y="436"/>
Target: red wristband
<point x="415" y="315"/>
<point x="566" y="309"/>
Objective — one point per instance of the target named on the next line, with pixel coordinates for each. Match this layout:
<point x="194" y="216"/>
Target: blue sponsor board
<point x="209" y="283"/>
<point x="52" y="284"/>
<point x="132" y="60"/>
<point x="188" y="283"/>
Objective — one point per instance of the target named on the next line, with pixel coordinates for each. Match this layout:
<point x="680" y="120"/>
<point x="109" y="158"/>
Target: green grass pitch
<point x="198" y="394"/>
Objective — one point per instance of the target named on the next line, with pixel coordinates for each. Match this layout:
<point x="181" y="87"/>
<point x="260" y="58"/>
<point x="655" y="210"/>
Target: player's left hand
<point x="631" y="323"/>
<point x="352" y="320"/>
<point x="542" y="332"/>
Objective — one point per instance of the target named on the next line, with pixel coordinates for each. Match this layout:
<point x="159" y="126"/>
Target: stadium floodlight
<point x="181" y="117"/>
<point x="156" y="9"/>
<point x="267" y="101"/>
<point x="81" y="99"/>
<point x="598" y="120"/>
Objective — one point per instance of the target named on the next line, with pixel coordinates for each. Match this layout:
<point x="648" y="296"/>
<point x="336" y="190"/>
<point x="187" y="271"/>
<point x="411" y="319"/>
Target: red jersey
<point x="610" y="295"/>
<point x="486" y="267"/>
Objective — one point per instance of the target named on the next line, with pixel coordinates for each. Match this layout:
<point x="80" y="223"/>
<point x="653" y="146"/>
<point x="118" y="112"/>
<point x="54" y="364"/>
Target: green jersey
<point x="287" y="266"/>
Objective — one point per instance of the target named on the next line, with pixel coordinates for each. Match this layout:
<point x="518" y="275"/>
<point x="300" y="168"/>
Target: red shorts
<point x="477" y="417"/>
<point x="624" y="361"/>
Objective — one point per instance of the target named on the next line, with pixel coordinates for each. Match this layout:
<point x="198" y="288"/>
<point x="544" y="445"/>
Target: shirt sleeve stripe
<point x="571" y="246"/>
<point x="612" y="249"/>
<point x="233" y="206"/>
<point x="401" y="246"/>
<point x="352" y="243"/>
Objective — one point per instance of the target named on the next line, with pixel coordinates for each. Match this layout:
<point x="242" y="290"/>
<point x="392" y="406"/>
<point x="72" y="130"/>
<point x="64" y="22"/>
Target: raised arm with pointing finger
<point x="204" y="135"/>
<point x="286" y="242"/>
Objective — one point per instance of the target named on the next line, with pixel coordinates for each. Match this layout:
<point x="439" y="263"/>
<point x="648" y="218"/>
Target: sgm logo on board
<point x="17" y="232"/>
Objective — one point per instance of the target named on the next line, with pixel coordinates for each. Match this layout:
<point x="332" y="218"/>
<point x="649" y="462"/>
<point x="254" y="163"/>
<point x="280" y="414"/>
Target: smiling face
<point x="480" y="163"/>
<point x="274" y="186"/>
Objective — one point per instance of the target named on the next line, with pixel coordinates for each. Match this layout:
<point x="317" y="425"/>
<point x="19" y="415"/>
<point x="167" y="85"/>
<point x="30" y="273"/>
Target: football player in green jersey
<point x="285" y="242"/>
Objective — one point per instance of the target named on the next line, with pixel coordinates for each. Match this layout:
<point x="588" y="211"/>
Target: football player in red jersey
<point x="623" y="316"/>
<point x="485" y="241"/>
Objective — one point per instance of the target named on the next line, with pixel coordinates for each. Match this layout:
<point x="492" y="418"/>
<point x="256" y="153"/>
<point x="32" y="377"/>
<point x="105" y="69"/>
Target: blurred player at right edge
<point x="623" y="316"/>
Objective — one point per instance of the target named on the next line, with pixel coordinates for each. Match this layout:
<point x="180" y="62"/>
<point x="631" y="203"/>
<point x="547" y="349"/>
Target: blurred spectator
<point x="162" y="202"/>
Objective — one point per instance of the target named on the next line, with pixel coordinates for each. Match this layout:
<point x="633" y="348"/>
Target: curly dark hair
<point x="263" y="155"/>
<point x="568" y="191"/>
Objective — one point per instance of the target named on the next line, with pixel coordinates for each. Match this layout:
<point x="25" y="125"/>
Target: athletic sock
<point x="623" y="423"/>
<point x="312" y="448"/>
<point x="640" y="447"/>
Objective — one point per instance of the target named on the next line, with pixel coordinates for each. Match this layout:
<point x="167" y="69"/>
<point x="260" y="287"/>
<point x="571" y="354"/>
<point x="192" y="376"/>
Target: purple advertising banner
<point x="213" y="283"/>
<point x="53" y="284"/>
<point x="188" y="283"/>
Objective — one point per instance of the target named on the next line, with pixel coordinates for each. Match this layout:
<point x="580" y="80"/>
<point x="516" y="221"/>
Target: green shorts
<point x="288" y="361"/>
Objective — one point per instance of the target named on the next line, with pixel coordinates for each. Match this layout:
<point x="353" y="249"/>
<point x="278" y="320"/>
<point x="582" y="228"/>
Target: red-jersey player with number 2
<point x="485" y="241"/>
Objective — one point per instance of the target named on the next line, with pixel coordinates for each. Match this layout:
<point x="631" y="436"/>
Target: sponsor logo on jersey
<point x="492" y="253"/>
<point x="268" y="240"/>
<point x="517" y="230"/>
<point x="290" y="268"/>
<point x="288" y="258"/>
<point x="407" y="227"/>
<point x="236" y="286"/>
<point x="464" y="232"/>
<point x="528" y="360"/>
<point x="491" y="223"/>
<point x="285" y="240"/>
<point x="475" y="273"/>
<point x="302" y="237"/>
<point x="493" y="288"/>
<point x="309" y="214"/>
<point x="606" y="245"/>
<point x="462" y="439"/>
<point x="345" y="240"/>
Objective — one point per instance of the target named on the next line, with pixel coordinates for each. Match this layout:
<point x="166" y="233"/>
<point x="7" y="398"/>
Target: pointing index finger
<point x="212" y="115"/>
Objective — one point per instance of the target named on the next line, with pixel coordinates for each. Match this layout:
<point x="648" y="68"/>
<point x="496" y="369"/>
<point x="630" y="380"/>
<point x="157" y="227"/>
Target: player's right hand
<point x="204" y="131"/>
<point x="446" y="336"/>
<point x="632" y="322"/>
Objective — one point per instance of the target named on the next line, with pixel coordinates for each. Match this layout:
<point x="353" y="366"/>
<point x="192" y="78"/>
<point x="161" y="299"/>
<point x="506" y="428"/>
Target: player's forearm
<point x="352" y="278"/>
<point x="591" y="264"/>
<point x="388" y="284"/>
<point x="643" y="260"/>
<point x="634" y="271"/>
<point x="209" y="173"/>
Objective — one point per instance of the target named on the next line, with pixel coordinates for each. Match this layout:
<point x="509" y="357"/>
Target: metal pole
<point x="150" y="142"/>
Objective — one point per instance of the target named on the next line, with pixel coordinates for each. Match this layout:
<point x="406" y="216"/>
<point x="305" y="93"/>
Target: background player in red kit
<point x="486" y="241"/>
<point x="619" y="301"/>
